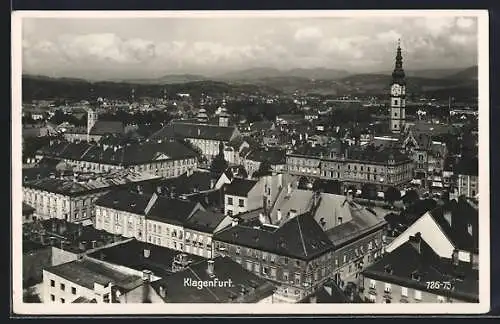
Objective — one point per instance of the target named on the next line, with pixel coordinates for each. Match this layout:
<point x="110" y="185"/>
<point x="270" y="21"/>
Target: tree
<point x="391" y="195"/>
<point x="219" y="164"/>
<point x="410" y="197"/>
<point x="264" y="169"/>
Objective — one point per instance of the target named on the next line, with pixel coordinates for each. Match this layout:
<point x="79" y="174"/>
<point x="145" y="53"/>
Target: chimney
<point x="80" y="230"/>
<point x="448" y="216"/>
<point x="278" y="215"/>
<point x="94" y="244"/>
<point x="163" y="291"/>
<point x="416" y="242"/>
<point x="158" y="190"/>
<point x="211" y="268"/>
<point x="234" y="221"/>
<point x="454" y="258"/>
<point x="82" y="245"/>
<point x="146" y="279"/>
<point x="262" y="218"/>
<point x="139" y="189"/>
<point x="147" y="253"/>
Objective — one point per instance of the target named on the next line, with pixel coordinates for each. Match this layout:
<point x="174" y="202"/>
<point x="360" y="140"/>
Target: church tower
<point x="398" y="95"/>
<point x="91" y="120"/>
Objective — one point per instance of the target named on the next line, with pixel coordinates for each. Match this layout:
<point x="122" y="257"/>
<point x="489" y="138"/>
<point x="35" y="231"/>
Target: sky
<point x="111" y="48"/>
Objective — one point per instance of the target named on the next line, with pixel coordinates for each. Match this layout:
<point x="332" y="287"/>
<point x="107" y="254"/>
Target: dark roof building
<point x="181" y="129"/>
<point x="414" y="264"/>
<point x="240" y="187"/>
<point x="140" y="256"/>
<point x="234" y="284"/>
<point x="309" y="242"/>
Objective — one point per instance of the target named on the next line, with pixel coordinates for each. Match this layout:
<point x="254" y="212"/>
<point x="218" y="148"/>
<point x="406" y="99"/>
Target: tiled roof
<point x="131" y="255"/>
<point x="407" y="259"/>
<point x="173" y="211"/>
<point x="89" y="182"/>
<point x="204" y="221"/>
<point x="102" y="127"/>
<point x="309" y="240"/>
<point x="356" y="219"/>
<point x="462" y="215"/>
<point x="125" y="155"/>
<point x="377" y="156"/>
<point x="188" y="130"/>
<point x="261" y="126"/>
<point x="246" y="286"/>
<point x="86" y="272"/>
<point x="240" y="187"/>
<point x="183" y="184"/>
<point x="273" y="156"/>
<point x="124" y="200"/>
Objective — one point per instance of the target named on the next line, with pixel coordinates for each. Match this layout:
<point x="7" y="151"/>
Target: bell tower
<point x="91" y="120"/>
<point x="398" y="95"/>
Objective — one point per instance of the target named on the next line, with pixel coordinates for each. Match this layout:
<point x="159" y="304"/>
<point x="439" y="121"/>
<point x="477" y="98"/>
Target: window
<point x="249" y="266"/>
<point x="241" y="203"/>
<point x="52" y="283"/>
<point x="62" y="300"/>
<point x="53" y="297"/>
<point x="404" y="292"/>
<point x="285" y="276"/>
<point x="387" y="288"/>
<point x="297" y="279"/>
<point x="372" y="284"/>
<point x="73" y="290"/>
<point x="345" y="258"/>
<point x="229" y="213"/>
<point x="230" y="201"/>
<point x="418" y="295"/>
<point x="63" y="287"/>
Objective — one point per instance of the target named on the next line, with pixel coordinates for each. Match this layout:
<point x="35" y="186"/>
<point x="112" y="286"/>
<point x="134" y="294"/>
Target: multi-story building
<point x="467" y="177"/>
<point x="276" y="158"/>
<point x="199" y="230"/>
<point x="72" y="198"/>
<point x="149" y="218"/>
<point x="165" y="159"/>
<point x="85" y="281"/>
<point x="242" y="195"/>
<point x="414" y="273"/>
<point x="226" y="282"/>
<point x="305" y="250"/>
<point x="204" y="136"/>
<point x="355" y="167"/>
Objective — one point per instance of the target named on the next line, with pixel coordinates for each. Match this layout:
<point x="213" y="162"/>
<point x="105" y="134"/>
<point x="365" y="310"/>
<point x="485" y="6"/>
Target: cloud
<point x="308" y="34"/>
<point x="354" y="44"/>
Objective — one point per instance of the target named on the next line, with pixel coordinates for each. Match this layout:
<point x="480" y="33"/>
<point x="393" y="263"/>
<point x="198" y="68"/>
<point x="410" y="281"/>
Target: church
<point x="95" y="129"/>
<point x="427" y="153"/>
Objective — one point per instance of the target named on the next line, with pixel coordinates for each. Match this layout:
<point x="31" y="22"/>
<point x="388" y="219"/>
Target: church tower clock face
<point x="396" y="90"/>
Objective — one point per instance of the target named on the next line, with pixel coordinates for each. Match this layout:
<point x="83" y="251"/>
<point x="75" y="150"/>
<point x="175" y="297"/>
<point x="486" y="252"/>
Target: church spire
<point x="398" y="75"/>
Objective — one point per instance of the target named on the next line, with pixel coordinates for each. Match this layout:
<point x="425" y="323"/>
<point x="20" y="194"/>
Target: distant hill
<point x="467" y="74"/>
<point x="268" y="73"/>
<point x="52" y="88"/>
<point x="168" y="79"/>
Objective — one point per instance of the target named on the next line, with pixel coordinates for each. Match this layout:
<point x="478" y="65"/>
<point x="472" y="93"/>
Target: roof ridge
<point x="301" y="236"/>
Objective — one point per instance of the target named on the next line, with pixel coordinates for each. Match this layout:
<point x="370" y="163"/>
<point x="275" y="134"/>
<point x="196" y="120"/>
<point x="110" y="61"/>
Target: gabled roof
<point x="102" y="127"/>
<point x="204" y="221"/>
<point x="192" y="130"/>
<point x="301" y="237"/>
<point x="398" y="266"/>
<point x="240" y="187"/>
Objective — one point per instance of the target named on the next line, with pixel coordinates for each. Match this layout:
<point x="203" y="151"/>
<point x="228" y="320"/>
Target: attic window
<point x="388" y="269"/>
<point x="415" y="275"/>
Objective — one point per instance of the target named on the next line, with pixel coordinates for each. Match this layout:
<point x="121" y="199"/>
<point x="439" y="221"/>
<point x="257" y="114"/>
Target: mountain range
<point x="269" y="80"/>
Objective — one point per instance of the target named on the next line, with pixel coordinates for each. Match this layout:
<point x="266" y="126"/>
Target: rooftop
<point x="414" y="263"/>
<point x="102" y="127"/>
<point x="246" y="286"/>
<point x="132" y="154"/>
<point x="131" y="255"/>
<point x="89" y="182"/>
<point x="204" y="221"/>
<point x="310" y="242"/>
<point x="193" y="130"/>
<point x="240" y="187"/>
<point x="86" y="272"/>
